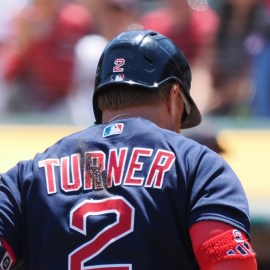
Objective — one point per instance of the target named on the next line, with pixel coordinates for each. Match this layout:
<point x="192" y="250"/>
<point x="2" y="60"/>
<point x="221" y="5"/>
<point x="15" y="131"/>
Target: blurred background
<point x="48" y="55"/>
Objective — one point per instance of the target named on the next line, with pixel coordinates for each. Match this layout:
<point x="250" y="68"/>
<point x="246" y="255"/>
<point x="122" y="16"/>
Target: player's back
<point x="113" y="196"/>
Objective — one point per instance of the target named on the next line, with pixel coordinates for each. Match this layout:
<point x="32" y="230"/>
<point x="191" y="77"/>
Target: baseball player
<point x="131" y="192"/>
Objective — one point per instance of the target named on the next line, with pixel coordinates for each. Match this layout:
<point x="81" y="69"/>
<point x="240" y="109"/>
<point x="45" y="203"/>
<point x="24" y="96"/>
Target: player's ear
<point x="174" y="100"/>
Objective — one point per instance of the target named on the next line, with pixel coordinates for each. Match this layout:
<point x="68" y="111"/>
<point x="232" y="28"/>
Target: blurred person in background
<point x="259" y="43"/>
<point x="9" y="9"/>
<point x="4" y="93"/>
<point x="40" y="61"/>
<point x="238" y="41"/>
<point x="192" y="26"/>
<point x="110" y="17"/>
<point x="207" y="135"/>
<point x="187" y="25"/>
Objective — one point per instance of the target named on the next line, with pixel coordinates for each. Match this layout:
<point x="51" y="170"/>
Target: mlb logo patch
<point x="114" y="129"/>
<point x="118" y="77"/>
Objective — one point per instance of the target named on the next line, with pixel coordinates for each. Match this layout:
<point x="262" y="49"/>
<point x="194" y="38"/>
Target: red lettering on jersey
<point x="76" y="182"/>
<point x="116" y="164"/>
<point x="93" y="160"/>
<point x="49" y="165"/>
<point x="135" y="165"/>
<point x="96" y="177"/>
<point x="161" y="164"/>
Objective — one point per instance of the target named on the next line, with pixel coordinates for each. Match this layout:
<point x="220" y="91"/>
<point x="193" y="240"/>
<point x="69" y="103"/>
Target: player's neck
<point x="121" y="116"/>
<point x="159" y="116"/>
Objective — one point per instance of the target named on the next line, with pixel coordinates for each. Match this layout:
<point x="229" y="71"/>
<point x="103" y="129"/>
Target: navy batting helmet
<point x="147" y="59"/>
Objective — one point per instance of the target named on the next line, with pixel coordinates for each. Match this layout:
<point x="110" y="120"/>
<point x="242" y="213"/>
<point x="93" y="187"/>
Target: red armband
<point x="7" y="258"/>
<point x="229" y="245"/>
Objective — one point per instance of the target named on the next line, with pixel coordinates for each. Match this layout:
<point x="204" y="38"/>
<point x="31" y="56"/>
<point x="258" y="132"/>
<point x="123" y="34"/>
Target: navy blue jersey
<point x="121" y="195"/>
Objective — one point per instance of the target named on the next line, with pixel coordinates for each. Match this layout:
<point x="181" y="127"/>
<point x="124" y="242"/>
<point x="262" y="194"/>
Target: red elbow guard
<point x="229" y="245"/>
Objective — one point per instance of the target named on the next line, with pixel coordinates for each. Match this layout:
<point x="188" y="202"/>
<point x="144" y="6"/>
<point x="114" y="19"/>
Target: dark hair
<point x="123" y="96"/>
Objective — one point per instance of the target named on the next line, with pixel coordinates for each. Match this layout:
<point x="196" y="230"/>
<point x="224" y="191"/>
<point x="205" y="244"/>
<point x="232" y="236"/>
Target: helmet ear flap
<point x="147" y="59"/>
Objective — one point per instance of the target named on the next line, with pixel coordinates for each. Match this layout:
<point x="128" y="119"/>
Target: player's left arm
<point x="11" y="219"/>
<point x="7" y="257"/>
<point x="220" y="246"/>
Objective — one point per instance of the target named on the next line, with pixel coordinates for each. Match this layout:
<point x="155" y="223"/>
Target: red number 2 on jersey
<point x="122" y="226"/>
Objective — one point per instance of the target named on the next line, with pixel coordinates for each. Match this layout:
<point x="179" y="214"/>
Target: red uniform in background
<point x="191" y="33"/>
<point x="40" y="64"/>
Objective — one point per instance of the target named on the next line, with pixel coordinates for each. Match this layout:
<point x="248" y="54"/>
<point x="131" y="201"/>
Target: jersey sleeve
<point x="215" y="192"/>
<point x="10" y="216"/>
